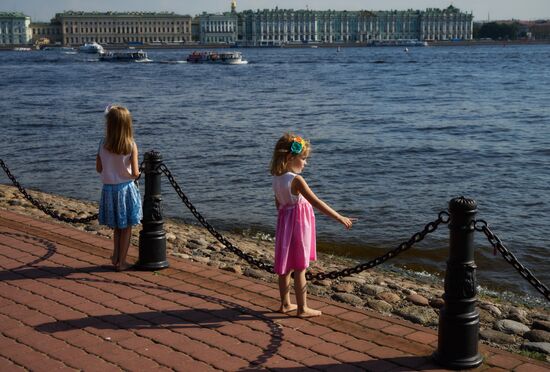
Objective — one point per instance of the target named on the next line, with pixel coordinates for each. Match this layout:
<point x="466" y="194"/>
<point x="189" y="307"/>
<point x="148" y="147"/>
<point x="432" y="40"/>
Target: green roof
<point x="127" y="14"/>
<point x="13" y="15"/>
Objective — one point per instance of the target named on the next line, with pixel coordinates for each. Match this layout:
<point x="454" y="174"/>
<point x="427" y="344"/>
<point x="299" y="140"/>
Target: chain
<point x="247" y="257"/>
<point x="482" y="225"/>
<point x="39" y="205"/>
<point x="429" y="228"/>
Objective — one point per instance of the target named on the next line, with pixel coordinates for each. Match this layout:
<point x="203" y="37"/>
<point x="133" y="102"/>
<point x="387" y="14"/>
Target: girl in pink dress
<point x="295" y="242"/>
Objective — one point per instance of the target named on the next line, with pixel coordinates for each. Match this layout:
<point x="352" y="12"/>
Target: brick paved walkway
<point x="62" y="309"/>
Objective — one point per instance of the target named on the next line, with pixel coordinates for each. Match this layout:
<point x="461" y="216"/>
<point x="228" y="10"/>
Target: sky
<point x="44" y="10"/>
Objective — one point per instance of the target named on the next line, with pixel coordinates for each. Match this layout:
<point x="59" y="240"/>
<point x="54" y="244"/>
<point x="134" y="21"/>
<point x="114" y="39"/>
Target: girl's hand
<point x="347" y="222"/>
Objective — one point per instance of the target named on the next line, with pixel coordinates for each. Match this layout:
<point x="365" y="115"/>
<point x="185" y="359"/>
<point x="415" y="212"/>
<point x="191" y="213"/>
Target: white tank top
<point x="116" y="168"/>
<point x="282" y="189"/>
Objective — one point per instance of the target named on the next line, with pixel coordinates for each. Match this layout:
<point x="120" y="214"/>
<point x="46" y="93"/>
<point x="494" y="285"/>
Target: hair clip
<point x="108" y="108"/>
<point x="297" y="145"/>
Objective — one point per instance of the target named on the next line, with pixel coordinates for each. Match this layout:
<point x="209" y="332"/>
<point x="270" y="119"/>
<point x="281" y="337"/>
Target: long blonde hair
<point x="119" y="135"/>
<point x="282" y="152"/>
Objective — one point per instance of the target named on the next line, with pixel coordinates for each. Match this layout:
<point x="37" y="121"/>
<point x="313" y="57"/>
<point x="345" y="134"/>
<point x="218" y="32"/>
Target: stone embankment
<point x="514" y="327"/>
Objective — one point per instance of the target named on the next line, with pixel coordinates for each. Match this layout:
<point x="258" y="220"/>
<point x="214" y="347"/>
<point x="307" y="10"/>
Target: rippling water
<point x="395" y="136"/>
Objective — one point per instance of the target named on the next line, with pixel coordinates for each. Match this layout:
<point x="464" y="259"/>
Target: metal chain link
<point x="443" y="217"/>
<point x="39" y="205"/>
<point x="483" y="226"/>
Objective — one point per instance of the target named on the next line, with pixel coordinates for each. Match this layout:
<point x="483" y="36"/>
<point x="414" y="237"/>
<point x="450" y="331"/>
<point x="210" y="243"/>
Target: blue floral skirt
<point x="120" y="205"/>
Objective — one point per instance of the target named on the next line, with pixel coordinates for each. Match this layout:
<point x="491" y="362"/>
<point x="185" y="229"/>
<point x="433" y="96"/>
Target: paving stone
<point x="72" y="313"/>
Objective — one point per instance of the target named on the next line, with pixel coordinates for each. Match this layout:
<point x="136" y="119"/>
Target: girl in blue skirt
<point x="117" y="163"/>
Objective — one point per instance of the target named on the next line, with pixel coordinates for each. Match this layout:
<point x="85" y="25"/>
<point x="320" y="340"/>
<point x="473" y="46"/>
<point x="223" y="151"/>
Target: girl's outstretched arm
<point x="300" y="186"/>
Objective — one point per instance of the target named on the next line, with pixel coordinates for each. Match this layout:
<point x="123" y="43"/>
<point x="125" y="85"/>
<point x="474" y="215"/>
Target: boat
<point x="226" y="58"/>
<point x="399" y="42"/>
<point x="91" y="48"/>
<point x="127" y="56"/>
<point x="65" y="50"/>
<point x="22" y="49"/>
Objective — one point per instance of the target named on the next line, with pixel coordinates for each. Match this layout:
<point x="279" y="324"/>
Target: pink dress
<point x="295" y="243"/>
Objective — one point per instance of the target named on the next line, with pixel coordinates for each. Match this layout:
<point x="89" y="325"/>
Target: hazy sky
<point x="43" y="10"/>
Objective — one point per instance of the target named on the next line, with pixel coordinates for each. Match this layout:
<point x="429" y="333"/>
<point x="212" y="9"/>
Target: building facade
<point x="46" y="33"/>
<point x="14" y="28"/>
<point x="122" y="28"/>
<point x="280" y="26"/>
<point x="218" y="28"/>
<point x="446" y="24"/>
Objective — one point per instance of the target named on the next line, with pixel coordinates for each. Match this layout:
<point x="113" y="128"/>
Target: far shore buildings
<point x="14" y="28"/>
<point x="268" y="27"/>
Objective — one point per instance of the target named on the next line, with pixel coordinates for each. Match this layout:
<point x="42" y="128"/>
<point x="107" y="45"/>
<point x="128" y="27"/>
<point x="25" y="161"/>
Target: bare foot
<point x="122" y="267"/>
<point x="287" y="308"/>
<point x="308" y="313"/>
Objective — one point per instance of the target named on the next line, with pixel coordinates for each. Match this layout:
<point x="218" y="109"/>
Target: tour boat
<point x="227" y="58"/>
<point x="399" y="42"/>
<point x="128" y="56"/>
<point x="91" y="48"/>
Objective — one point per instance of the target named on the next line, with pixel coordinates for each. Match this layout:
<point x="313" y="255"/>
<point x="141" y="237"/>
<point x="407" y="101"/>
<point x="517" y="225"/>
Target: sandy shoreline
<point x="514" y="327"/>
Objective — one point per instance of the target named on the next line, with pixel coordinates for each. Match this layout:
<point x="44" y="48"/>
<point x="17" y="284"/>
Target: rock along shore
<point x="513" y="327"/>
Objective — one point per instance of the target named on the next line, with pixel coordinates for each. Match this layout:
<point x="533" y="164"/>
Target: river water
<point x="395" y="136"/>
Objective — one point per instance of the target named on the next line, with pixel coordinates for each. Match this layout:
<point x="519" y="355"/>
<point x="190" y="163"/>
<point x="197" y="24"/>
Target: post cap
<point x="153" y="156"/>
<point x="462" y="204"/>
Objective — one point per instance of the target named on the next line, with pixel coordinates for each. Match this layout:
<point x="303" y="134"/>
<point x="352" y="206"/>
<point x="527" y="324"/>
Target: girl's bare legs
<point x="124" y="244"/>
<point x="116" y="243"/>
<point x="284" y="290"/>
<point x="300" y="287"/>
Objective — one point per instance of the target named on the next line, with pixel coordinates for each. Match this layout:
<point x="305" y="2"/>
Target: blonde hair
<point x="119" y="135"/>
<point x="282" y="153"/>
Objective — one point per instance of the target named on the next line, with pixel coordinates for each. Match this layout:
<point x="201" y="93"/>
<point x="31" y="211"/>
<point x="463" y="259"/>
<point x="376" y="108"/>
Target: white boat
<point x="128" y="56"/>
<point x="65" y="50"/>
<point x="91" y="48"/>
<point x="22" y="49"/>
<point x="227" y="58"/>
<point x="231" y="58"/>
<point x="399" y="42"/>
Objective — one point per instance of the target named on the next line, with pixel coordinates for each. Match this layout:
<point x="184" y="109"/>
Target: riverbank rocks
<point x="519" y="315"/>
<point x="492" y="309"/>
<point x="353" y="279"/>
<point x="496" y="336"/>
<point x="323" y="283"/>
<point x="348" y="298"/>
<point x="389" y="297"/>
<point x="418" y="300"/>
<point x="258" y="274"/>
<point x="379" y="305"/>
<point x="196" y="244"/>
<point x="343" y="287"/>
<point x="537" y="335"/>
<point x="437" y="302"/>
<point x="419" y="314"/>
<point x="372" y="289"/>
<point x="541" y="324"/>
<point x="511" y="327"/>
<point x="539" y="347"/>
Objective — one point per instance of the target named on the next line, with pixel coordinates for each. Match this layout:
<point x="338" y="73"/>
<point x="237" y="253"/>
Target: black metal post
<point x="457" y="346"/>
<point x="152" y="237"/>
